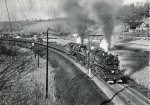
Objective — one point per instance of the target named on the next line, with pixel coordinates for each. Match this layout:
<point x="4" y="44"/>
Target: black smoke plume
<point x="78" y="16"/>
<point x="105" y="11"/>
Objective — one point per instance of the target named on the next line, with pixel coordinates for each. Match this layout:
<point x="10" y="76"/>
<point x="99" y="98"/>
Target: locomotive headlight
<point x="112" y="71"/>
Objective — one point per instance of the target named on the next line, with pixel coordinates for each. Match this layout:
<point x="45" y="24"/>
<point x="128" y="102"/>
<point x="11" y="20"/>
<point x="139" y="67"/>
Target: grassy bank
<point x="12" y="69"/>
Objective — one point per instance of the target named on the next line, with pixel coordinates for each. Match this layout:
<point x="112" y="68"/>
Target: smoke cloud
<point x="82" y="12"/>
<point x="105" y="11"/>
<point x="78" y="15"/>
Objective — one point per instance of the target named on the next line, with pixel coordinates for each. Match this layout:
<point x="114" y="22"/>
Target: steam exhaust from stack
<point x="104" y="45"/>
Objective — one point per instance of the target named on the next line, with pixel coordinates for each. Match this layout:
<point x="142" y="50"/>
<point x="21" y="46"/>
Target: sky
<point x="133" y="1"/>
<point x="29" y="9"/>
<point x="36" y="9"/>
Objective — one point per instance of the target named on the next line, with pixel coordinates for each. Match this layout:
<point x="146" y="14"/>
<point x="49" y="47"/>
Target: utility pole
<point x="89" y="56"/>
<point x="1" y="34"/>
<point x="89" y="67"/>
<point x="47" y="68"/>
<point x="9" y="20"/>
<point x="38" y="57"/>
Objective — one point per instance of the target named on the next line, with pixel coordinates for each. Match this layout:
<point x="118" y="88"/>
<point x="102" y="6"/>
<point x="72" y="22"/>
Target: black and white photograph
<point x="74" y="52"/>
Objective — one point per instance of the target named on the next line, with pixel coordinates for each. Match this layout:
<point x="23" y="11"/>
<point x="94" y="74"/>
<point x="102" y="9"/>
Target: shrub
<point x="9" y="51"/>
<point x="54" y="63"/>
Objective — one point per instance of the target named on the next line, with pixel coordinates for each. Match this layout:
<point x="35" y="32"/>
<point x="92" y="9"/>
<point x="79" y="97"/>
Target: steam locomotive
<point x="102" y="63"/>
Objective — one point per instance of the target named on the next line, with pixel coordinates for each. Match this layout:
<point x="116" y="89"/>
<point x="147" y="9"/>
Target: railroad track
<point x="119" y="94"/>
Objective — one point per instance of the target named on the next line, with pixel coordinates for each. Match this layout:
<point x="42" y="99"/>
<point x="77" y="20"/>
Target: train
<point x="102" y="63"/>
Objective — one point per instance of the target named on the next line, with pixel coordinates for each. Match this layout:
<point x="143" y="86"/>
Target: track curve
<point x="118" y="94"/>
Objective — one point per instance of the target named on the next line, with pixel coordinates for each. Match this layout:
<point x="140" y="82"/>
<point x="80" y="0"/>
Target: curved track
<point x="117" y="93"/>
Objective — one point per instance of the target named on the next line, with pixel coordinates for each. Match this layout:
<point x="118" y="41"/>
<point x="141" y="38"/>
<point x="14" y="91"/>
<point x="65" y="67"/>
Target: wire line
<point x="8" y="17"/>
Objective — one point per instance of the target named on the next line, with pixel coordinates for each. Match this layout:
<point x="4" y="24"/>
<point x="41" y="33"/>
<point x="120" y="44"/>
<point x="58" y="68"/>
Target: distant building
<point x="17" y="37"/>
<point x="35" y="37"/>
<point x="144" y="26"/>
<point x="130" y="29"/>
<point x="138" y="26"/>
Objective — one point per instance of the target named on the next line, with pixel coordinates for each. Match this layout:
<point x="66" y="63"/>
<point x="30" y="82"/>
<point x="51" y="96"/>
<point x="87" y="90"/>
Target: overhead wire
<point x="38" y="13"/>
<point x="24" y="11"/>
<point x="2" y="8"/>
<point x="46" y="7"/>
<point x="2" y="13"/>
<point x="49" y="12"/>
<point x="46" y="11"/>
<point x="53" y="13"/>
<point x="32" y="15"/>
<point x="9" y="17"/>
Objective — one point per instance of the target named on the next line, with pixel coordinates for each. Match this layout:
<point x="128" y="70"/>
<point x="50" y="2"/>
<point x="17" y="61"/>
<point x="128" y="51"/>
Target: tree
<point x="133" y="14"/>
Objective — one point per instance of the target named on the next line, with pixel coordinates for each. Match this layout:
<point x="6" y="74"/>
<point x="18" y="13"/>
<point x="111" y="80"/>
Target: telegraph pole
<point x="38" y="57"/>
<point x="8" y="16"/>
<point x="47" y="68"/>
<point x="89" y="67"/>
<point x="9" y="20"/>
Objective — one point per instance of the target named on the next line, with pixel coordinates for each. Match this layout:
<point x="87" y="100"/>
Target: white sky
<point x="36" y="9"/>
<point x="133" y="1"/>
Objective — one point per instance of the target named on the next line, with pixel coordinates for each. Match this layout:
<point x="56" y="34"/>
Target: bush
<point x="3" y="49"/>
<point x="54" y="63"/>
<point x="9" y="51"/>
